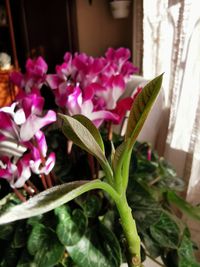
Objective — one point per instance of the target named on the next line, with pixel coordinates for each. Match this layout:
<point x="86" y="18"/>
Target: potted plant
<point x="65" y="219"/>
<point x="120" y="8"/>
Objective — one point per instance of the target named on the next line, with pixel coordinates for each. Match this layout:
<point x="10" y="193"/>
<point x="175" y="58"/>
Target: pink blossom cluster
<point x="82" y="84"/>
<point x="93" y="86"/>
<point x="23" y="147"/>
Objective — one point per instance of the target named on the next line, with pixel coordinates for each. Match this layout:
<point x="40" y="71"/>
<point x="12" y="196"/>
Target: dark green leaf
<point x="186" y="254"/>
<point x="36" y="238"/>
<point x="152" y="247"/>
<point x="91" y="204"/>
<point x="165" y="232"/>
<point x="146" y="210"/>
<point x="20" y="235"/>
<point x="6" y="231"/>
<point x="109" y="219"/>
<point x="141" y="108"/>
<point x="71" y="226"/>
<point x="184" y="206"/>
<point x="98" y="247"/>
<point x="44" y="245"/>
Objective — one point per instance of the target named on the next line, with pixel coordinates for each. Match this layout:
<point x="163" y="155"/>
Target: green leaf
<point x="81" y="136"/>
<point x="184" y="206"/>
<point x="141" y="108"/>
<point x="53" y="198"/>
<point x="186" y="254"/>
<point x="119" y="155"/>
<point x="92" y="129"/>
<point x="151" y="246"/>
<point x="20" y="235"/>
<point x="71" y="226"/>
<point x="6" y="231"/>
<point x="98" y="247"/>
<point x="91" y="204"/>
<point x="165" y="231"/>
<point x="36" y="238"/>
<point x="44" y="245"/>
<point x="145" y="209"/>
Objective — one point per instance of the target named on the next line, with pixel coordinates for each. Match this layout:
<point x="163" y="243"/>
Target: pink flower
<point x="111" y="90"/>
<point x="39" y="162"/>
<point x="17" y="125"/>
<point x="76" y="104"/>
<point x="34" y="77"/>
<point x="122" y="107"/>
<point x="119" y="63"/>
<point x="92" y="86"/>
<point x="23" y="146"/>
<point x="16" y="174"/>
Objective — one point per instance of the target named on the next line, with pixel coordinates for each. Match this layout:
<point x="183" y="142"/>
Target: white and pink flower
<point x="93" y="86"/>
<point x="33" y="78"/>
<point x="22" y="142"/>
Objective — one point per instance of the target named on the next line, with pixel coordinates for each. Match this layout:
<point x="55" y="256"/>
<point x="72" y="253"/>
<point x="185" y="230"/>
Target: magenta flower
<point x="92" y="86"/>
<point x="39" y="152"/>
<point x="111" y="90"/>
<point x="122" y="107"/>
<point x="119" y="63"/>
<point x="17" y="125"/>
<point x="34" y="77"/>
<point x="23" y="146"/>
<point x="77" y="104"/>
<point x="16" y="174"/>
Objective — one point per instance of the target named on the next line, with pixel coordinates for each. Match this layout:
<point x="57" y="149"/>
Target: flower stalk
<point x="19" y="195"/>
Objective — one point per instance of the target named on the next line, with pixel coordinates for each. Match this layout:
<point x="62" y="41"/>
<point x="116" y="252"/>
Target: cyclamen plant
<point x="93" y="86"/>
<point x="88" y="92"/>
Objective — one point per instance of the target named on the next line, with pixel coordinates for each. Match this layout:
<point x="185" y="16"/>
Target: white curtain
<point x="172" y="45"/>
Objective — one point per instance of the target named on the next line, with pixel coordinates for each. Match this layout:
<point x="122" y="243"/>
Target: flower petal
<point x="34" y="124"/>
<point x="41" y="143"/>
<point x="53" y="80"/>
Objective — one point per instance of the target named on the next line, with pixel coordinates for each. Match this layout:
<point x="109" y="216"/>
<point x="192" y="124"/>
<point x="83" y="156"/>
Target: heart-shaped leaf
<point x="186" y="253"/>
<point x="165" y="232"/>
<point x="98" y="247"/>
<point x="141" y="108"/>
<point x="52" y="198"/>
<point x="44" y="245"/>
<point x="71" y="225"/>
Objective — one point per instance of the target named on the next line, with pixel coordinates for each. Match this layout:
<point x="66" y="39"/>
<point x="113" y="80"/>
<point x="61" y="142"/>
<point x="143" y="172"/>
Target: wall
<point x="98" y="30"/>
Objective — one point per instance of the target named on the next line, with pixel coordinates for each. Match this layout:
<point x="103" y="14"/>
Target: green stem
<point x="126" y="170"/>
<point x="130" y="232"/>
<point x="118" y="172"/>
<point x="104" y="186"/>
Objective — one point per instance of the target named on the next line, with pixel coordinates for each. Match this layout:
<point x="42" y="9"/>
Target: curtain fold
<point x="171" y="45"/>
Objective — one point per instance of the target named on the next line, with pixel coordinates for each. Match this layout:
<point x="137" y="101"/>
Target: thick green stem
<point x="130" y="232"/>
<point x="125" y="171"/>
